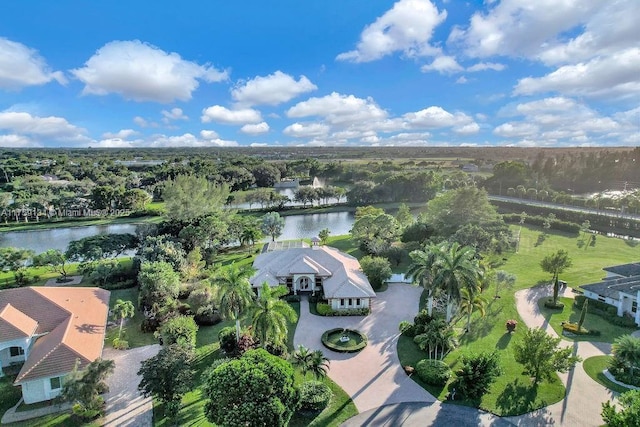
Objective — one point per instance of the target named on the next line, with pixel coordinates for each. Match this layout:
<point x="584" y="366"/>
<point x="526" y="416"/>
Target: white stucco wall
<point x="39" y="390"/>
<point x="335" y="303"/>
<point x="5" y="354"/>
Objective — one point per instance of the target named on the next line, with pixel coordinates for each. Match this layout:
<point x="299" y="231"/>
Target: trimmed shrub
<point x="207" y="316"/>
<point x="557" y="306"/>
<point x="407" y="329"/>
<point x="326" y="310"/>
<point x="120" y="344"/>
<point x="434" y="372"/>
<point x="314" y="396"/>
<point x="291" y="298"/>
<point x="606" y="311"/>
<point x="323" y="309"/>
<point x="227" y="338"/>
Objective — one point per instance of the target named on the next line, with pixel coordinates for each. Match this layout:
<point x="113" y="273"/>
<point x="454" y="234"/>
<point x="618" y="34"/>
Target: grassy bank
<point x="76" y="222"/>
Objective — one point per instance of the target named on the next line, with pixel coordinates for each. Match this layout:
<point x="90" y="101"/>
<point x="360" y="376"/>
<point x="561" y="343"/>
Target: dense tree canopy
<point x="188" y="197"/>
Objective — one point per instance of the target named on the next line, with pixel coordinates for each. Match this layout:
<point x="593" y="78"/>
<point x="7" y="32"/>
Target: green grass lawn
<point x="608" y="332"/>
<point x="513" y="392"/>
<point x="594" y="366"/>
<point x="131" y="331"/>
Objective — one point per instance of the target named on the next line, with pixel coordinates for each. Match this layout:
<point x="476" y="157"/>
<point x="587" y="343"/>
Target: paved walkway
<point x="124" y="404"/>
<point x="582" y="405"/>
<point x="373" y="377"/>
<point x="11" y="416"/>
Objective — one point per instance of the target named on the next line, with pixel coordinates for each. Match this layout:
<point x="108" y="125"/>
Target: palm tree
<point x="471" y="299"/>
<point x="234" y="293"/>
<point x="301" y="358"/>
<point x="455" y="268"/>
<point x="270" y="314"/>
<point x="626" y="350"/>
<point x="319" y="364"/>
<point x="420" y="271"/>
<point x="555" y="264"/>
<point x="121" y="310"/>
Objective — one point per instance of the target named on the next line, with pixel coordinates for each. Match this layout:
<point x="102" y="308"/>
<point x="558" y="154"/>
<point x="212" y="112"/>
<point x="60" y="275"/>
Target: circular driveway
<point x="373" y="377"/>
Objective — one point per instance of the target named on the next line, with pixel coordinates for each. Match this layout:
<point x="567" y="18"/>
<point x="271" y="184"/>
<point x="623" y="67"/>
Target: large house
<point x="49" y="330"/>
<point x="620" y="288"/>
<point x="316" y="269"/>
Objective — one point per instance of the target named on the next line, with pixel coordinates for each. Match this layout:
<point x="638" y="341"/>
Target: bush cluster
<point x="557" y="306"/>
<point x="324" y="309"/>
<point x="314" y="396"/>
<point x="124" y="284"/>
<point x="434" y="372"/>
<point x="291" y="298"/>
<point x="556" y="224"/>
<point x="606" y="311"/>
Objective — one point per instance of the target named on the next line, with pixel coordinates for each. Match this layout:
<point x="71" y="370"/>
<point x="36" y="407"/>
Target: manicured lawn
<point x="608" y="332"/>
<point x="131" y="331"/>
<point x="513" y="393"/>
<point x="594" y="366"/>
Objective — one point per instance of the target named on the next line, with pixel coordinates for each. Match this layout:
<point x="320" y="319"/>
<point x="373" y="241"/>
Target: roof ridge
<point x="54" y="348"/>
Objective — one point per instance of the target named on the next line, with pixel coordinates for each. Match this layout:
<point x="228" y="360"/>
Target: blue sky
<point x="322" y="73"/>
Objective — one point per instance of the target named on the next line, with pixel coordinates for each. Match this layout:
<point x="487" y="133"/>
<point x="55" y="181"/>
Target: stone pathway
<point x="582" y="404"/>
<point x="124" y="404"/>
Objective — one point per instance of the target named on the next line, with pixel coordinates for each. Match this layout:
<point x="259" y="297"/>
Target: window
<point x="342" y="302"/>
<point x="318" y="282"/>
<point x="634" y="306"/>
<point x="16" y="351"/>
<point x="358" y="302"/>
<point x="55" y="383"/>
<point x="289" y="282"/>
<point x="350" y="302"/>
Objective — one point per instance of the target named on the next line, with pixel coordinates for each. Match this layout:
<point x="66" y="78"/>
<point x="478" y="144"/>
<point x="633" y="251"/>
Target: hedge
<point x="325" y="309"/>
<point x="556" y="224"/>
<point x="434" y="372"/>
<point x="606" y="311"/>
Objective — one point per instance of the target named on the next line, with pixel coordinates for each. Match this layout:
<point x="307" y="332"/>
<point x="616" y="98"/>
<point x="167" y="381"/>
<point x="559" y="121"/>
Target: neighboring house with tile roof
<point x="319" y="269"/>
<point x="50" y="330"/>
<point x="620" y="288"/>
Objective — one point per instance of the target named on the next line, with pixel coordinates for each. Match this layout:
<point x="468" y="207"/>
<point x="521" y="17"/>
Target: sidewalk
<point x="11" y="416"/>
<point x="583" y="402"/>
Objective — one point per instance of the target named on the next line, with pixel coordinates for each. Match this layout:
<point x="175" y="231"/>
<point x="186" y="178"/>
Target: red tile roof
<point x="14" y="324"/>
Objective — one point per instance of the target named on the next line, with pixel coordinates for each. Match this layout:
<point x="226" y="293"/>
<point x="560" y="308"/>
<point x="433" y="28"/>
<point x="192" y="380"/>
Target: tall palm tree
<point x="471" y="299"/>
<point x="455" y="268"/>
<point x="420" y="271"/>
<point x="234" y="293"/>
<point x="269" y="315"/>
<point x="121" y="310"/>
<point x="319" y="364"/>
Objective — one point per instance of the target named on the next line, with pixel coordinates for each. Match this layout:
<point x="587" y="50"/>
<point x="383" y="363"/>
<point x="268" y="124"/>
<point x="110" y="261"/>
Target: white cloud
<point x="188" y="140"/>
<point x="273" y="89"/>
<point x="338" y="109"/>
<point x="17" y="141"/>
<point x="616" y="76"/>
<point x="121" y="134"/>
<point x="209" y="134"/>
<point x="444" y="65"/>
<point x="306" y="130"/>
<point x="255" y="129"/>
<point x="49" y="127"/>
<point x="468" y="129"/>
<point x="173" y="115"/>
<point x="482" y="66"/>
<point x="220" y="114"/>
<point x="407" y="27"/>
<point x="140" y="121"/>
<point x="142" y="72"/>
<point x="21" y="66"/>
<point x="513" y="130"/>
<point x="462" y="80"/>
<point x="436" y="117"/>
<point x="521" y="27"/>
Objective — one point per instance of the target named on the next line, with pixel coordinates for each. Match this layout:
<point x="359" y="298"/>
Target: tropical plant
<point x="180" y="330"/>
<point x="234" y="293"/>
<point x="319" y="364"/>
<point x="301" y="358"/>
<point x="121" y="310"/>
<point x="471" y="299"/>
<point x="420" y="271"/>
<point x="83" y="387"/>
<point x="629" y="413"/>
<point x="314" y="395"/>
<point x="477" y="373"/>
<point x="437" y="338"/>
<point x="626" y="352"/>
<point x="555" y="264"/>
<point x="269" y="315"/>
<point x="455" y="268"/>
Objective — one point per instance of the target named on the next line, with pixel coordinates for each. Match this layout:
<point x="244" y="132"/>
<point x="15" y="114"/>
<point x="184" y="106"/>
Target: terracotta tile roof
<point x="14" y="324"/>
<point x="73" y="321"/>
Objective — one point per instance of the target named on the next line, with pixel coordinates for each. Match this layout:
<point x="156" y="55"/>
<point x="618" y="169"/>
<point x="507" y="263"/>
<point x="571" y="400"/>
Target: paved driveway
<point x="124" y="404"/>
<point x="372" y="377"/>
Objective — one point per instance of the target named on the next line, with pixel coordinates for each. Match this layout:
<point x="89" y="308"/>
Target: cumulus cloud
<point x="141" y="72"/>
<point x="468" y="129"/>
<point x="161" y="140"/>
<point x="436" y="117"/>
<point x="209" y="134"/>
<point x="21" y="66"/>
<point x="616" y="76"/>
<point x="273" y="89"/>
<point x="306" y="130"/>
<point x="561" y="120"/>
<point x="52" y="127"/>
<point x="255" y="129"/>
<point x="338" y="109"/>
<point x="17" y="141"/>
<point x="220" y="114"/>
<point x="407" y="27"/>
<point x="444" y="65"/>
<point x="121" y="134"/>
<point x="482" y="66"/>
<point x="173" y="115"/>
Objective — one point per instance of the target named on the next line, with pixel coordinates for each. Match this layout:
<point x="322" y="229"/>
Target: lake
<point x="295" y="227"/>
